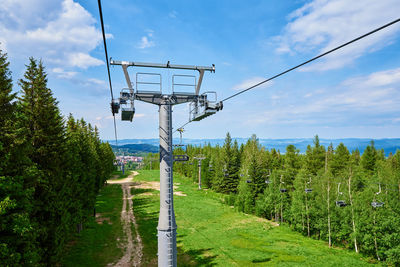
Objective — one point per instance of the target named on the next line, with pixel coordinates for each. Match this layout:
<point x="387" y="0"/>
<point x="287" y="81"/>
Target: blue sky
<point x="354" y="92"/>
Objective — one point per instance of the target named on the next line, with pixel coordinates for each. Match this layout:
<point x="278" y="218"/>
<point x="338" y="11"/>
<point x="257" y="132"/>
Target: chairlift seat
<point x="125" y="95"/>
<point x="115" y="107"/>
<point x="341" y="203"/>
<point x="283" y="190"/>
<point x="377" y="204"/>
<point x="267" y="181"/>
<point x="202" y="115"/>
<point x="308" y="190"/>
<point x="127" y="114"/>
<point x="180" y="157"/>
<point x="248" y="181"/>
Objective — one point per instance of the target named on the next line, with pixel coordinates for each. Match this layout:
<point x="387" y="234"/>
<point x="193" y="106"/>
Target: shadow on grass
<point x="146" y="213"/>
<point x="195" y="257"/>
<point x="261" y="260"/>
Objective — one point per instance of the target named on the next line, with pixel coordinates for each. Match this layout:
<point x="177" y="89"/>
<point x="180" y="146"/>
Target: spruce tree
<point x="17" y="237"/>
<point x="369" y="158"/>
<point x="46" y="133"/>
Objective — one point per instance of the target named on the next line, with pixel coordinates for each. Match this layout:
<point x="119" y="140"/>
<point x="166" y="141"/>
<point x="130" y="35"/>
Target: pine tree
<point x="17" y="237"/>
<point x="45" y="132"/>
<point x="369" y="158"/>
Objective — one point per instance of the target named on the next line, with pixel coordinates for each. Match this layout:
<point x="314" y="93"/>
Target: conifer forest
<point x="51" y="169"/>
<point x="333" y="194"/>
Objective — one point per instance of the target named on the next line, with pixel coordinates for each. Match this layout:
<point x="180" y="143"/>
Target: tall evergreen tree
<point x="369" y="158"/>
<point x="17" y="236"/>
<point x="45" y="131"/>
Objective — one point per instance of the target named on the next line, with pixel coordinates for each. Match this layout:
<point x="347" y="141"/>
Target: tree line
<point x="51" y="170"/>
<point x="348" y="199"/>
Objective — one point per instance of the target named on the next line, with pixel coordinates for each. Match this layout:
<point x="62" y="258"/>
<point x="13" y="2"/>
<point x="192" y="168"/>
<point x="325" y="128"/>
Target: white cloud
<point x="377" y="79"/>
<point x="173" y="14"/>
<point x="250" y="82"/>
<point x="96" y="81"/>
<point x="61" y="73"/>
<point x="62" y="33"/>
<point x="146" y="41"/>
<point x="308" y="95"/>
<point x="83" y="60"/>
<point x="369" y="99"/>
<point x="322" y="25"/>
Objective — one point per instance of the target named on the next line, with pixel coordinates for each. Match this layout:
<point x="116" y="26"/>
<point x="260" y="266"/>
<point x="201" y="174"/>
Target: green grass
<point x="211" y="233"/>
<point x="97" y="244"/>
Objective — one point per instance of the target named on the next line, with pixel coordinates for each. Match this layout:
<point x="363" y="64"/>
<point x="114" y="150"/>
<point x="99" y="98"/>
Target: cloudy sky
<point x="354" y="92"/>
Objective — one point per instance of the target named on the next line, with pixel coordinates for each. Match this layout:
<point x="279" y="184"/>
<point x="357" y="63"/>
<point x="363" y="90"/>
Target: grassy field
<point x="211" y="233"/>
<point x="97" y="244"/>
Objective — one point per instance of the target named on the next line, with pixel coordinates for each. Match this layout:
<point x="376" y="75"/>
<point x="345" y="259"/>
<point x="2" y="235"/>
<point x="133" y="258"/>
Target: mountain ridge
<point x="389" y="145"/>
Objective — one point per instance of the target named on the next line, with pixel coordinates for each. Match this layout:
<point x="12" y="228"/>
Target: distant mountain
<point x="389" y="145"/>
<point x="136" y="148"/>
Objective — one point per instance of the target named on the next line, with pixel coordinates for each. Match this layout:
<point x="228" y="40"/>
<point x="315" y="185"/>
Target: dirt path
<point x="133" y="248"/>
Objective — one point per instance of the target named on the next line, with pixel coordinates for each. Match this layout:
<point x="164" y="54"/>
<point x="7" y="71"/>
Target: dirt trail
<point x="133" y="248"/>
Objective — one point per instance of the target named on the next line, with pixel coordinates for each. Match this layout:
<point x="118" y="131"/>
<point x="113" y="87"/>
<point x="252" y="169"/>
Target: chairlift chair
<point x="210" y="167"/>
<point x="181" y="130"/>
<point x="376" y="204"/>
<point x="283" y="190"/>
<point x="115" y="105"/>
<point x="127" y="114"/>
<point x="248" y="181"/>
<point x="341" y="203"/>
<point x="308" y="190"/>
<point x="268" y="181"/>
<point x="204" y="106"/>
<point x="126" y="102"/>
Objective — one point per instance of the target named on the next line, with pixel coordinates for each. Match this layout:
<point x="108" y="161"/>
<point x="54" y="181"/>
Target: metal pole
<point x="166" y="223"/>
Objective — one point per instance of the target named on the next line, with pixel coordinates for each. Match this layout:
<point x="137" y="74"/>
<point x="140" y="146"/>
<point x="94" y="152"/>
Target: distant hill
<point x="388" y="144"/>
<point x="136" y="148"/>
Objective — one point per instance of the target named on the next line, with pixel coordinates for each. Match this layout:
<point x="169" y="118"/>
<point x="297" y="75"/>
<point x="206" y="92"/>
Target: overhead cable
<point x="108" y="66"/>
<point x="308" y="61"/>
<point x="311" y="60"/>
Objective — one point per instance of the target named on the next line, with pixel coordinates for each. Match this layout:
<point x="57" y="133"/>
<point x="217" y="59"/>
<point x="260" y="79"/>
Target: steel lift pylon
<point x="167" y="252"/>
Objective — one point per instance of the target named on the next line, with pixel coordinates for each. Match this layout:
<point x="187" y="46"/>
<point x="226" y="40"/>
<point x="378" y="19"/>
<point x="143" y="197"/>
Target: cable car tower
<point x="201" y="107"/>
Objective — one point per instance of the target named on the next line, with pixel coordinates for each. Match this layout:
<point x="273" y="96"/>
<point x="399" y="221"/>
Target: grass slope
<point x="97" y="244"/>
<point x="213" y="234"/>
